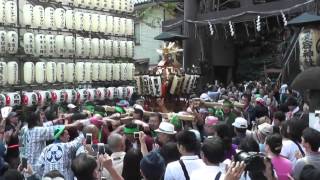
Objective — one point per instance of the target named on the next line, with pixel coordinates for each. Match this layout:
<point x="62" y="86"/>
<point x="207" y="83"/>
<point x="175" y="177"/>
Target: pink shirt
<point x="282" y="166"/>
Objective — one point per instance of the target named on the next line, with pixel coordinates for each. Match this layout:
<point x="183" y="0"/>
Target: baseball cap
<point x="266" y="129"/>
<point x="240" y="122"/>
<point x="12" y="114"/>
<point x="71" y="106"/>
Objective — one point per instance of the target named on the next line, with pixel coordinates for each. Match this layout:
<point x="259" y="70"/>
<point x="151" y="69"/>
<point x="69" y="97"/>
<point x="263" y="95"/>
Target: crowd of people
<point x="260" y="132"/>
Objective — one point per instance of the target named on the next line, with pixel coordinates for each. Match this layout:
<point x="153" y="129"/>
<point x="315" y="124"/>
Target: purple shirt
<point x="231" y="152"/>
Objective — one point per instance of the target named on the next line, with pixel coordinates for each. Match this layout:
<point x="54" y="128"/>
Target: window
<point x="137" y="33"/>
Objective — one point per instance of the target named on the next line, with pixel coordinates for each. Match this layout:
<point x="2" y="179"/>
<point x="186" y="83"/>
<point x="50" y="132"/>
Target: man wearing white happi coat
<point x="58" y="156"/>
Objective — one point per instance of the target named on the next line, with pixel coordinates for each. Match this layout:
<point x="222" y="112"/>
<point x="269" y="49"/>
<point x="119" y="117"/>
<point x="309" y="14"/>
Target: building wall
<point x="147" y="46"/>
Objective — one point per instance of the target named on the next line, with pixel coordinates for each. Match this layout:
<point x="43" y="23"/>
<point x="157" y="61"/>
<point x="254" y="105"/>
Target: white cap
<point x="138" y="106"/>
<point x="205" y="97"/>
<point x="265" y="129"/>
<point x="166" y="128"/>
<point x="71" y="106"/>
<point x="240" y="122"/>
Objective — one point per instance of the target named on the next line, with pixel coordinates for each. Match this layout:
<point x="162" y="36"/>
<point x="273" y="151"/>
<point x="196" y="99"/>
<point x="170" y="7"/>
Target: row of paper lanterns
<point x="40" y="17"/>
<point x="41" y="98"/>
<point x="68" y="46"/>
<point x="53" y="72"/>
<point x="107" y="5"/>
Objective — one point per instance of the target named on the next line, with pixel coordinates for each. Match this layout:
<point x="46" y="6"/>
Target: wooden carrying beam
<point x="149" y="113"/>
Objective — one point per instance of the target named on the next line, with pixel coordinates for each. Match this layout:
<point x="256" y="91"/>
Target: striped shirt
<point x="35" y="141"/>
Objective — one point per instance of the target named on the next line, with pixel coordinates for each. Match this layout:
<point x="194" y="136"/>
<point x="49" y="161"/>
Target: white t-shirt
<point x="289" y="150"/>
<point x="208" y="172"/>
<point x="175" y="172"/>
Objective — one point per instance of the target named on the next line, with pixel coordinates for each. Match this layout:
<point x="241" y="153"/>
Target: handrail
<point x="288" y="54"/>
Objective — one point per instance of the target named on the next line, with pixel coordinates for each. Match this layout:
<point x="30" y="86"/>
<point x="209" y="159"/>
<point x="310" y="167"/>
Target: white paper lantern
<point x="87" y="46"/>
<point x="116" y="25"/>
<point x="130" y="6"/>
<point x="50" y="45"/>
<point x="130" y="49"/>
<point x="69" y="46"/>
<point x="80" y="71"/>
<point x="82" y="95"/>
<point x="109" y="28"/>
<point x="61" y="72"/>
<point x="29" y="99"/>
<point x="123" y="48"/>
<point x="3" y="73"/>
<point x="102" y="47"/>
<point x="103" y="23"/>
<point x="95" y="4"/>
<point x="120" y="92"/>
<point x="3" y="37"/>
<point x="13" y="99"/>
<point x="71" y="95"/>
<point x="130" y="91"/>
<point x="79" y="17"/>
<point x="123" y="5"/>
<point x="123" y="71"/>
<point x="28" y="43"/>
<point x="40" y="72"/>
<point x="95" y="49"/>
<point x="80" y="51"/>
<point x="78" y="3"/>
<point x="12" y="42"/>
<point x="87" y="21"/>
<point x="117" y="5"/>
<point x="109" y="5"/>
<point x="86" y="3"/>
<point x="60" y="18"/>
<point x="28" y="72"/>
<point x="43" y="97"/>
<point x="115" y="49"/>
<point x="2" y="11"/>
<point x="88" y="72"/>
<point x="116" y="71"/>
<point x="38" y="16"/>
<point x="49" y="19"/>
<point x="108" y="48"/>
<point x="111" y="93"/>
<point x="139" y="84"/>
<point x="60" y="45"/>
<point x="11" y="12"/>
<point x="70" y="19"/>
<point x="40" y="45"/>
<point x="109" y="71"/>
<point x="101" y="93"/>
<point x="129" y="27"/>
<point x="70" y="72"/>
<point x="95" y="22"/>
<point x="51" y="72"/>
<point x="103" y="71"/>
<point x="27" y="13"/>
<point x="122" y="27"/>
<point x="92" y="94"/>
<point x="57" y="96"/>
<point x="95" y="71"/>
<point x="131" y="71"/>
<point x="13" y="72"/>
